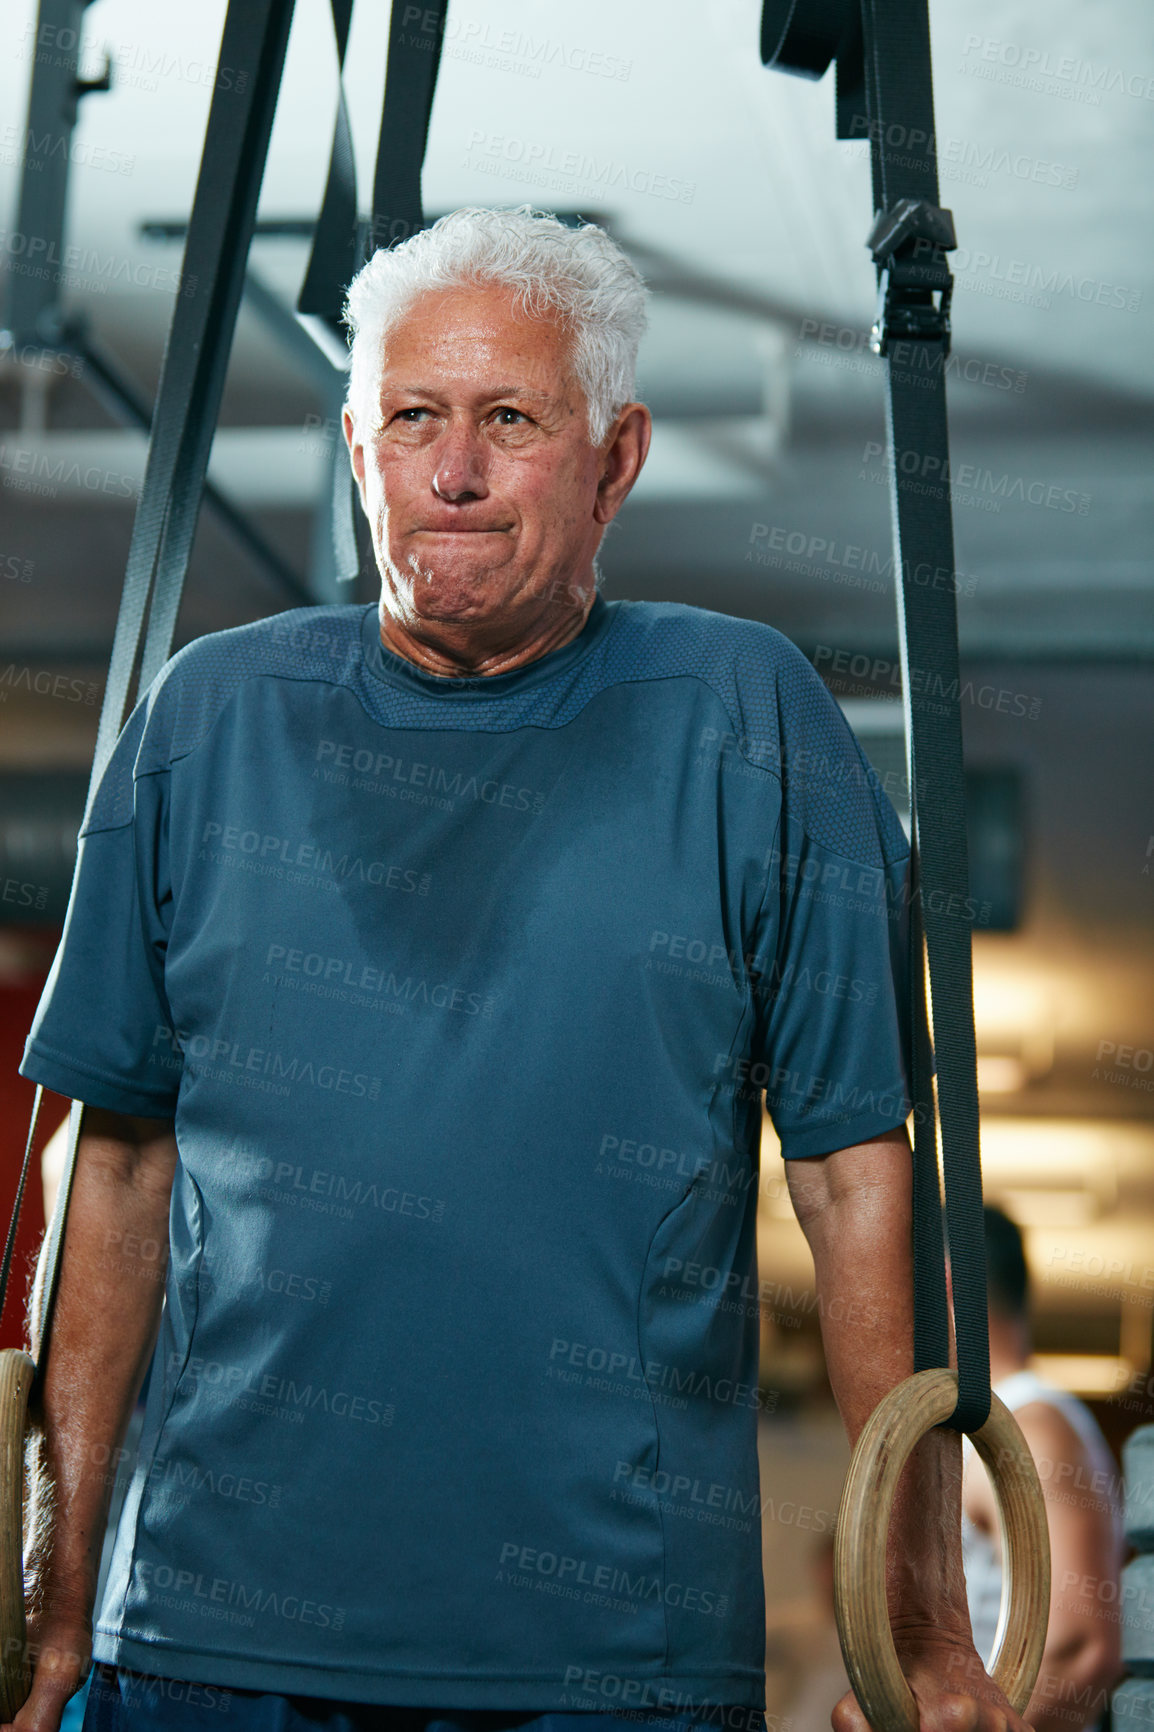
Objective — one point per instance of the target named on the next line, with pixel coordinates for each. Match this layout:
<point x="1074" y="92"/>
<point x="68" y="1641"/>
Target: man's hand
<point x="104" y="1327"/>
<point x="950" y="1686"/>
<point x="60" y="1648"/>
<point x="855" y="1208"/>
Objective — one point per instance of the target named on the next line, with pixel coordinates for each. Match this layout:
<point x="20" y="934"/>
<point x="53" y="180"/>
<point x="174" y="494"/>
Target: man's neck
<point x="460" y="652"/>
<point x="1009" y="1348"/>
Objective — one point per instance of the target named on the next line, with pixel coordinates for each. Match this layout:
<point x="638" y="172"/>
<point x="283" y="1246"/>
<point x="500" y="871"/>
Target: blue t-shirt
<point x="464" y="994"/>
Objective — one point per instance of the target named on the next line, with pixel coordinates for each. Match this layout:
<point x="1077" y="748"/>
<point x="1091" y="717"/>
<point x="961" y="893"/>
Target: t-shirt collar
<point x="397" y="671"/>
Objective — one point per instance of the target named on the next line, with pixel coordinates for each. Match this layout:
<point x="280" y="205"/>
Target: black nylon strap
<point x="334" y="256"/>
<point x="398" y="207"/>
<point x="192" y="379"/>
<point x="931" y="1317"/>
<point x="254" y="41"/>
<point x="10" y="1242"/>
<point x="192" y="376"/>
<point x="930" y="656"/>
<point x="885" y="94"/>
<point x="109" y="380"/>
<point x="410" y="85"/>
<point x="910" y="241"/>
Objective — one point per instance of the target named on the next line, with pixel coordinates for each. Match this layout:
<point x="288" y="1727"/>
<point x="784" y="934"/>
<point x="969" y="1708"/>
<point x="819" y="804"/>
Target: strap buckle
<point x="908" y="244"/>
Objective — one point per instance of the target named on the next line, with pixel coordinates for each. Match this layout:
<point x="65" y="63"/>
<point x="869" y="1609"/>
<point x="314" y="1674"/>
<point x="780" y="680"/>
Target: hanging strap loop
<point x="885" y="93"/>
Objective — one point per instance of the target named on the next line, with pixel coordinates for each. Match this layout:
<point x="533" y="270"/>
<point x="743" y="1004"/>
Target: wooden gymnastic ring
<point x="905" y="1415"/>
<point x="16" y="1374"/>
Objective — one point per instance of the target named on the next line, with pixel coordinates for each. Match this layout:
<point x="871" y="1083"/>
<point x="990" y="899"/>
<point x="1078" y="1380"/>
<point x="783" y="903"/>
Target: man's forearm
<point x="103" y="1329"/>
<point x="855" y="1209"/>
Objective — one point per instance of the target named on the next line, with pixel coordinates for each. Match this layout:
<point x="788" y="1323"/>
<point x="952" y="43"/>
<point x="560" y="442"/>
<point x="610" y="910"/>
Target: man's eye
<point x="406" y="414"/>
<point x="515" y="413"/>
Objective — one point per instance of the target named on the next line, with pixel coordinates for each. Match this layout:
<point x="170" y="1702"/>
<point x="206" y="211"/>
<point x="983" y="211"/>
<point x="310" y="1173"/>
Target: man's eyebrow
<point x="493" y="395"/>
<point x="521" y="391"/>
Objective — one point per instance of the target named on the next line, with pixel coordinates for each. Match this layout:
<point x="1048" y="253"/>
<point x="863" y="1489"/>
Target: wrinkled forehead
<point x="476" y="333"/>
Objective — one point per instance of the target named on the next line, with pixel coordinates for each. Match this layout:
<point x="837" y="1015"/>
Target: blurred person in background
<point x="1079" y="1477"/>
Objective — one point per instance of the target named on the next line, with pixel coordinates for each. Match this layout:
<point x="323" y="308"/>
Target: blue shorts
<point x="121" y="1701"/>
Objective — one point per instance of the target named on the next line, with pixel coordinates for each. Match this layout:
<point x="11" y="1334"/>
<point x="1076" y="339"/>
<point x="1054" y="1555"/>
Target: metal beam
<point x="35" y="273"/>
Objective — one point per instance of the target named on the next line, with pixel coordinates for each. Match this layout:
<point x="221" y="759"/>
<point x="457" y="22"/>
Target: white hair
<point x="578" y="274"/>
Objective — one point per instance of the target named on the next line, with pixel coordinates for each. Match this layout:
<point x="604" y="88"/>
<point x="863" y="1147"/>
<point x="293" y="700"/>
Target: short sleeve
<point x="834" y="994"/>
<point x="102" y="1033"/>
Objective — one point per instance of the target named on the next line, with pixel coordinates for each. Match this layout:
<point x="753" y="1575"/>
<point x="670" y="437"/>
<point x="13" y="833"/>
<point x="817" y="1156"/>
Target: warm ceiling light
<point x="1049" y="1208"/>
<point x="1005" y="999"/>
<point x="999" y="1073"/>
<point x="1084" y="1373"/>
<point x="1072" y="1150"/>
<point x="1013" y="1015"/>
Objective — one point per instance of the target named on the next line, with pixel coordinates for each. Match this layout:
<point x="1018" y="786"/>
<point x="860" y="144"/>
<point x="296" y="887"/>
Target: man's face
<point x="485" y="498"/>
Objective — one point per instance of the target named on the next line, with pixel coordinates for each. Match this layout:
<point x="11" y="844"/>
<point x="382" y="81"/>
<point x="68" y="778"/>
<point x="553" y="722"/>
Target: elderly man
<point x="423" y="971"/>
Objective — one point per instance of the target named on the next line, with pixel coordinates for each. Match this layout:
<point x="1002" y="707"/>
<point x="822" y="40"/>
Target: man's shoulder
<point x="783" y="719"/>
<point x="743" y="659"/>
<point x="768" y="685"/>
<point x="308" y="644"/>
<point x="665" y="628"/>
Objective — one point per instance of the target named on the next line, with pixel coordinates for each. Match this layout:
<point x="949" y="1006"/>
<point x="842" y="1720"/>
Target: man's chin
<point x="453" y="597"/>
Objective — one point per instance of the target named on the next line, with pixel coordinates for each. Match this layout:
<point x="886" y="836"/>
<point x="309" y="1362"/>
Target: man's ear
<point x="356" y="452"/>
<point x="624" y="459"/>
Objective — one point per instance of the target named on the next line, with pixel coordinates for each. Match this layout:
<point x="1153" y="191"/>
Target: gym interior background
<point x="765" y="495"/>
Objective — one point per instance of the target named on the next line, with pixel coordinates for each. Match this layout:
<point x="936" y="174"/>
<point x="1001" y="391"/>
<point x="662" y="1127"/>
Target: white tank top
<point x="982" y="1562"/>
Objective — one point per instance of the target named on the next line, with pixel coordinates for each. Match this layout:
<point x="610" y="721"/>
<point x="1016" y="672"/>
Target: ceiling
<point x="749" y="219"/>
<point x="764" y="494"/>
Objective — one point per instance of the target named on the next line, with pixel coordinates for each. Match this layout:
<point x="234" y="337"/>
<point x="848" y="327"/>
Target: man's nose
<point x="460" y="472"/>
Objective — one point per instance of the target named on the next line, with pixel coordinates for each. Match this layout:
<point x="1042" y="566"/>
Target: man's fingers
<point x="848" y="1716"/>
<point x="979" y="1708"/>
<point x="45" y="1707"/>
<point x="981" y="1716"/>
<point x="43" y="1710"/>
<point x="942" y="1713"/>
<point x="58" y="1677"/>
<point x="956" y="1712"/>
